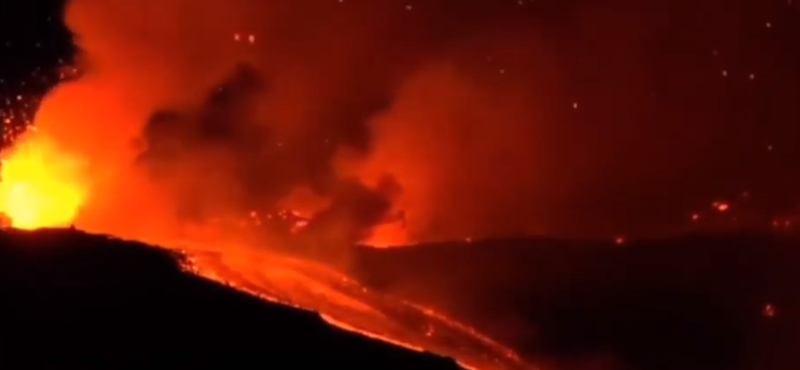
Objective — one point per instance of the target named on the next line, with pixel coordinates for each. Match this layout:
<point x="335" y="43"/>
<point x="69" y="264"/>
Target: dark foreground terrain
<point x="72" y="297"/>
<point x="701" y="302"/>
<point x="705" y="303"/>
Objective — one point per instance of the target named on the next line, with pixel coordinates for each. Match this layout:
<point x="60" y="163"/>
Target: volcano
<point x="70" y="295"/>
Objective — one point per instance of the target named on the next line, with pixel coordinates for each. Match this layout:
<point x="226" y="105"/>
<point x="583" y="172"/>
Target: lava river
<point x="345" y="303"/>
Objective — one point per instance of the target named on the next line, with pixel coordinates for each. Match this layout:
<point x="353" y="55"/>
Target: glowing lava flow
<point x="345" y="303"/>
<point x="40" y="186"/>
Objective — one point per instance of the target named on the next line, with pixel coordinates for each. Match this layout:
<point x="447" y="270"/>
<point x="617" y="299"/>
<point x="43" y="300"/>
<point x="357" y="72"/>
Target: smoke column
<point x="450" y="119"/>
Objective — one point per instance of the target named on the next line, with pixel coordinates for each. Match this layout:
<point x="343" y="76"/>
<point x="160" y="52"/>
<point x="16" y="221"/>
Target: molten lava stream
<point x="347" y="304"/>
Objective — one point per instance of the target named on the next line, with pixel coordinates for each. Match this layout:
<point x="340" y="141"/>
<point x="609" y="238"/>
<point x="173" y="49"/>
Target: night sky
<point x="601" y="118"/>
<point x="36" y="46"/>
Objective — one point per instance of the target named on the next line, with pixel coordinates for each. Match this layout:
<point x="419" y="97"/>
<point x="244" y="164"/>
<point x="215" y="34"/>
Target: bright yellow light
<point x="40" y="186"/>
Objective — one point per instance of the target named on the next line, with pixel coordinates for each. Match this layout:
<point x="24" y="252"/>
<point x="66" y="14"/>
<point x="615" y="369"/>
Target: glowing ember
<point x="721" y="206"/>
<point x="40" y="186"/>
<point x="768" y="311"/>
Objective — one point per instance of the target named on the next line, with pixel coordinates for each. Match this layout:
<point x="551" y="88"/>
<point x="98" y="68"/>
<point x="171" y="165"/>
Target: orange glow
<point x="40" y="186"/>
<point x="389" y="235"/>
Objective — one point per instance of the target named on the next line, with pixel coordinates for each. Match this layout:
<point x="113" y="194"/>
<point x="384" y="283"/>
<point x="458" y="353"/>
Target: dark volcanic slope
<point x="70" y="296"/>
<point x="682" y="303"/>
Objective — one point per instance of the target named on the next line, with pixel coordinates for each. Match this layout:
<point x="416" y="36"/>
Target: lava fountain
<point x="40" y="186"/>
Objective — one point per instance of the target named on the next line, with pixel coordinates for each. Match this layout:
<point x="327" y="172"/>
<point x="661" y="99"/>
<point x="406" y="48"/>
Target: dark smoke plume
<point x="222" y="159"/>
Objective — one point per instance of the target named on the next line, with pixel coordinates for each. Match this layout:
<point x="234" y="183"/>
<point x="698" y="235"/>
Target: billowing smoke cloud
<point x="223" y="160"/>
<point x="488" y="119"/>
<point x="198" y="109"/>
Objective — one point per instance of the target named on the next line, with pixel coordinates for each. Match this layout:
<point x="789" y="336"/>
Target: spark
<point x="769" y="310"/>
<point x="721" y="206"/>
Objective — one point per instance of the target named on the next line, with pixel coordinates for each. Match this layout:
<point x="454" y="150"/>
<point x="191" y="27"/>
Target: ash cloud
<point x="223" y="159"/>
<point x="467" y="106"/>
<point x="218" y="109"/>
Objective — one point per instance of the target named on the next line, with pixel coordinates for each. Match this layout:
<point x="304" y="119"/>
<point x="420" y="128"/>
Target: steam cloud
<point x="466" y="110"/>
